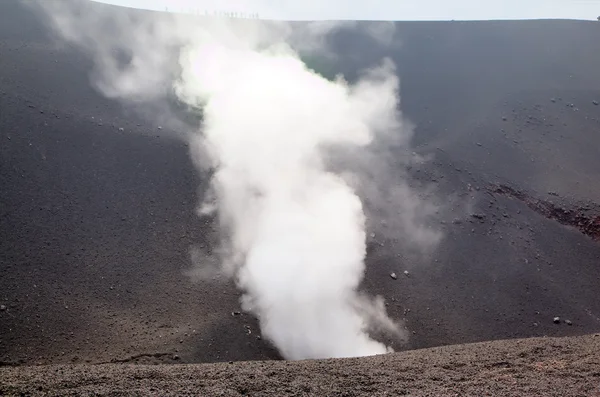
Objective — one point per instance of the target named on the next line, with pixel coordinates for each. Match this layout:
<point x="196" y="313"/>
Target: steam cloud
<point x="292" y="223"/>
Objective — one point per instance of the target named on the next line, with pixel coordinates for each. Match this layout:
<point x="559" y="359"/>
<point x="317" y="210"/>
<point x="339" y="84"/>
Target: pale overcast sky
<point x="382" y="9"/>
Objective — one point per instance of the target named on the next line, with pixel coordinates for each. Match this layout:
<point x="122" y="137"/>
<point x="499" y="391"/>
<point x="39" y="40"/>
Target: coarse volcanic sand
<point x="561" y="367"/>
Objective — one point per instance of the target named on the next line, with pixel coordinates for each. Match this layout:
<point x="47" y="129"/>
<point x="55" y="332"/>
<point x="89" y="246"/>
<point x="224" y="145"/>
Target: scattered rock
<point x="568" y="322"/>
<point x="394" y="276"/>
<point x="406" y="273"/>
<point x="553" y="100"/>
<point x="504" y="118"/>
<point x="159" y="127"/>
<point x="258" y="337"/>
<point x="478" y="216"/>
<point x="2" y="308"/>
<point x="121" y="129"/>
<point x="595" y="103"/>
<point x="478" y="144"/>
<point x="176" y="357"/>
<point x="236" y="313"/>
<point x="556" y="320"/>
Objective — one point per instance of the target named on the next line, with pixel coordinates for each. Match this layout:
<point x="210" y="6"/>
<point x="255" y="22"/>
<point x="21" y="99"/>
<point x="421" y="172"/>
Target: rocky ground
<point x="97" y="221"/>
<point x="561" y="367"/>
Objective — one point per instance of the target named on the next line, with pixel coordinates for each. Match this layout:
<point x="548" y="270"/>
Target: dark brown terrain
<point x="97" y="218"/>
<point x="548" y="367"/>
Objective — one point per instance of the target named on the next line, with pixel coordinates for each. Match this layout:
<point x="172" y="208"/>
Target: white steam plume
<point x="297" y="230"/>
<point x="294" y="229"/>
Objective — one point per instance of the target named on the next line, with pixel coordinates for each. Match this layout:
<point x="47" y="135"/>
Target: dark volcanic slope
<point x="96" y="223"/>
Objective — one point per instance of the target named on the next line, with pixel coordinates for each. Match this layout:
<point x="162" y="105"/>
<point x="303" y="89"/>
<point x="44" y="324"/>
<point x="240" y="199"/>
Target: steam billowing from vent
<point x="297" y="231"/>
<point x="292" y="224"/>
